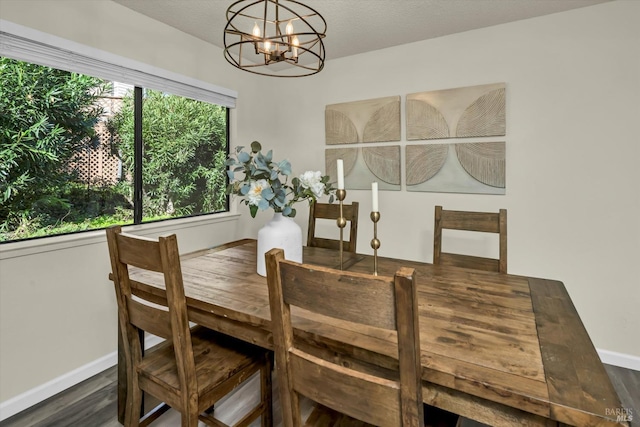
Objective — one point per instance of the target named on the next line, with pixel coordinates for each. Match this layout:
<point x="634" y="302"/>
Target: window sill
<point x="55" y="243"/>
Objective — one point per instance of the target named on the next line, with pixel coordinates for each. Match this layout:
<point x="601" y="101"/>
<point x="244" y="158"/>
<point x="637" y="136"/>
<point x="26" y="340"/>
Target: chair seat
<point x="218" y="358"/>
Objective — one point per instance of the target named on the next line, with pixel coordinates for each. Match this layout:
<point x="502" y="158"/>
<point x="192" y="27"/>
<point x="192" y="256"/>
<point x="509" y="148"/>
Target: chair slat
<point x="471" y="221"/>
<point x="468" y="261"/>
<point x="368" y="398"/>
<point x="149" y="319"/>
<point x="139" y="252"/>
<point x="321" y="242"/>
<point x="352" y="297"/>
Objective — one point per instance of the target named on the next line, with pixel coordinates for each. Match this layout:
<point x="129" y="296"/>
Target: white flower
<point x="313" y="181"/>
<point x="255" y="192"/>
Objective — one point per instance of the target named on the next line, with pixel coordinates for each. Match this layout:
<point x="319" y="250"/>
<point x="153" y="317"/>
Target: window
<point x="180" y="154"/>
<point x="84" y="151"/>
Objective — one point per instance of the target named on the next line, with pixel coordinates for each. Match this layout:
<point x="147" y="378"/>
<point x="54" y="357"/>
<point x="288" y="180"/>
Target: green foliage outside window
<point x="46" y="115"/>
<point x="183" y="166"/>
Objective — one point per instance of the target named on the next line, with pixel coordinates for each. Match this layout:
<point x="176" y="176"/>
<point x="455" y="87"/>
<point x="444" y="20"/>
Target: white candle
<point x="374" y="196"/>
<point x="295" y="43"/>
<point x="340" y="175"/>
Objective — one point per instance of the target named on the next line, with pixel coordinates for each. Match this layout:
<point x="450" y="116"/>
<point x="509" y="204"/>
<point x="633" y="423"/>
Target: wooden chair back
<point x="487" y="222"/>
<point x="332" y="211"/>
<point x="389" y="303"/>
<point x="195" y="367"/>
<point x="160" y="256"/>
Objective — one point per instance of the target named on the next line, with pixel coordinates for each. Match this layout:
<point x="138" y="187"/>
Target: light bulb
<point x="289" y="28"/>
<point x="295" y="42"/>
<point x="267" y="45"/>
<point x="256" y="30"/>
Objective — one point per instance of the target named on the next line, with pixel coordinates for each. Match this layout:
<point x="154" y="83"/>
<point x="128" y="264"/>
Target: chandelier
<point x="280" y="38"/>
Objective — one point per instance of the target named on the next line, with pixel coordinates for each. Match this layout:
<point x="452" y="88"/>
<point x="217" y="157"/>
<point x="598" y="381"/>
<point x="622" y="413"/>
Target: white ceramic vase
<point x="280" y="232"/>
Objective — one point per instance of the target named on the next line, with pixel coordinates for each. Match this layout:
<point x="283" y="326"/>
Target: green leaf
<point x="256" y="147"/>
<point x="267" y="194"/>
<point x="261" y="163"/>
<point x="243" y="157"/>
<point x="263" y="204"/>
<point x="285" y="167"/>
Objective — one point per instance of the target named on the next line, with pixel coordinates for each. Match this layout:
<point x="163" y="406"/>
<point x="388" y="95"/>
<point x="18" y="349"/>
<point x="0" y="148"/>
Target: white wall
<point x="572" y="179"/>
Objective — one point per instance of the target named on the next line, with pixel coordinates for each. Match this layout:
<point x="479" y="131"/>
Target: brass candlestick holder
<point x="341" y="194"/>
<point x="375" y="243"/>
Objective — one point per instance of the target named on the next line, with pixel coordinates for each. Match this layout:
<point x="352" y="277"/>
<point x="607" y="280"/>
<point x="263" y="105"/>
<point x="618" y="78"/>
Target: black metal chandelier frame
<point x="261" y="33"/>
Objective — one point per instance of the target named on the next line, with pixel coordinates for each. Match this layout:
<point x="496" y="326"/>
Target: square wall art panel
<point x="473" y="111"/>
<point x="364" y="165"/>
<point x="477" y="168"/>
<point x="372" y="120"/>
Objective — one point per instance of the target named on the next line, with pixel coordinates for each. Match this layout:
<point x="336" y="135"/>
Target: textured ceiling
<point x="358" y="26"/>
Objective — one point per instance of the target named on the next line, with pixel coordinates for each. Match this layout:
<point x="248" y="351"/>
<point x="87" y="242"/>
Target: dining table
<point x="502" y="349"/>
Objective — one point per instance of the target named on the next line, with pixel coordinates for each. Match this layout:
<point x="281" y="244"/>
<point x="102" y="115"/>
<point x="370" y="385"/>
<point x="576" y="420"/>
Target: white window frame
<point x="26" y="44"/>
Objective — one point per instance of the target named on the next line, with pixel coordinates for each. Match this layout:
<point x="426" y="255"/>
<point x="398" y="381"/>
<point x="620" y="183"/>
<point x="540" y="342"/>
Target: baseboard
<point x="38" y="394"/>
<point x="619" y="359"/>
<point x="44" y="391"/>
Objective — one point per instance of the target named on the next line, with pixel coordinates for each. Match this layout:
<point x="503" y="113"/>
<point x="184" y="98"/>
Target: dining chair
<point x="332" y="211"/>
<point x="194" y="367"/>
<point x="344" y="393"/>
<point x="488" y="222"/>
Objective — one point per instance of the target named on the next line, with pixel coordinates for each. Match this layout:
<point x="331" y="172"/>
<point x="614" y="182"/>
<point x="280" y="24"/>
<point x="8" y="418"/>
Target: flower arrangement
<point x="265" y="183"/>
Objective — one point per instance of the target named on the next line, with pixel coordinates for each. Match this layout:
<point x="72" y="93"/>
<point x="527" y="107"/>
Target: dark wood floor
<point x="92" y="403"/>
<point x="627" y="384"/>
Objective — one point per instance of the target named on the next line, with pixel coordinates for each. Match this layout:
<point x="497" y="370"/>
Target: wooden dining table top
<point x="499" y="348"/>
